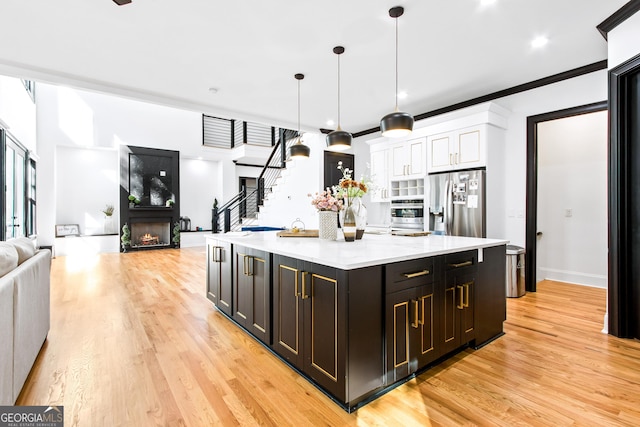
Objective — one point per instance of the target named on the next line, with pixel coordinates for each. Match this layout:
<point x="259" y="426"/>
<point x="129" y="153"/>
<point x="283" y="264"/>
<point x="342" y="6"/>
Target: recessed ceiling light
<point x="213" y="89"/>
<point x="330" y="122"/>
<point x="402" y="95"/>
<point x="539" y="42"/>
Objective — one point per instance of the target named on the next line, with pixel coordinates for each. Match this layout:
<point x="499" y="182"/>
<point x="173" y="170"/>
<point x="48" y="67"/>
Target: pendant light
<point x="398" y="123"/>
<point x="339" y="140"/>
<point x="299" y="150"/>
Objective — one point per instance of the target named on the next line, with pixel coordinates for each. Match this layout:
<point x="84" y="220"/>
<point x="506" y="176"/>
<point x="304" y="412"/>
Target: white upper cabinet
<point x="379" y="174"/>
<point x="459" y="149"/>
<point x="408" y="158"/>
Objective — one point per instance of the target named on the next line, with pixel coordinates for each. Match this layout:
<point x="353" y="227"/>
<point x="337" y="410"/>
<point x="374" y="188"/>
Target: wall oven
<point x="407" y="214"/>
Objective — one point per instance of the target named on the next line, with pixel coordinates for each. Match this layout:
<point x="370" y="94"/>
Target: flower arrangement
<point x="348" y="188"/>
<point x="326" y="201"/>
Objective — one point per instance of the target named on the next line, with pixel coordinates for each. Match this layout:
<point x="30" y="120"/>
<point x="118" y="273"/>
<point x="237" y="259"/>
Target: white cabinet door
<point x="380" y="175"/>
<point x="400" y="159"/>
<point x="460" y="149"/>
<point x="470" y="149"/>
<point x="408" y="158"/>
<point x="416" y="157"/>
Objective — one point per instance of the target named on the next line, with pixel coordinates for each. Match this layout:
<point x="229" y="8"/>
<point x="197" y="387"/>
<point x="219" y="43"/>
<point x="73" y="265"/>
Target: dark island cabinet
<point x="458" y="303"/>
<point x="252" y="291"/>
<point x="490" y="295"/>
<point x="412" y="321"/>
<point x="219" y="279"/>
<point x="327" y="323"/>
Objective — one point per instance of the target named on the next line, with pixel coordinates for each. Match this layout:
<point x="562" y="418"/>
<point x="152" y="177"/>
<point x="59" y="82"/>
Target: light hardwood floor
<point x="134" y="342"/>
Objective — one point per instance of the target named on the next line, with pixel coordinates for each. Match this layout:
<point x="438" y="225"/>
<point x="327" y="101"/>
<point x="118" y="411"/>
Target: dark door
<point x="324" y="327"/>
<point x="424" y="348"/>
<point x="398" y="317"/>
<point x="287" y="309"/>
<point x="242" y="285"/>
<point x="332" y="174"/>
<point x="220" y="279"/>
<point x="260" y="315"/>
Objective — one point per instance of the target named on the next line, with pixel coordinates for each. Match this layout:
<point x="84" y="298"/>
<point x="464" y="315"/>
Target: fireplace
<point x="152" y="176"/>
<point x="152" y="233"/>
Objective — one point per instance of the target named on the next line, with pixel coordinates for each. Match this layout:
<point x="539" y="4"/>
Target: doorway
<point x="532" y="196"/>
<point x="332" y="174"/>
<point x="248" y="205"/>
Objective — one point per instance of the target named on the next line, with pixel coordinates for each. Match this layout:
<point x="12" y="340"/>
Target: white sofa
<point x="24" y="312"/>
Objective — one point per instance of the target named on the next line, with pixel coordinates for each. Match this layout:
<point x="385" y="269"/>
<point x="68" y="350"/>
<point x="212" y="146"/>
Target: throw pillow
<point x="8" y="258"/>
<point x="25" y="248"/>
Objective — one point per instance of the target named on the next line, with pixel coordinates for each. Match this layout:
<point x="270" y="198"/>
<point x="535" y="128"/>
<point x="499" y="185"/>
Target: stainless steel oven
<point x="407" y="214"/>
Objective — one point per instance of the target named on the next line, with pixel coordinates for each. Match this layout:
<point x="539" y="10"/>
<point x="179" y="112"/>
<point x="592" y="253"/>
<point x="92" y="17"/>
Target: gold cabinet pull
<point x="421" y="321"/>
<point x="415" y="314"/>
<point x="250" y="266"/>
<point x="295" y="288"/>
<point x="416" y="274"/>
<point x="304" y="285"/>
<point x="244" y="265"/>
<point x="466" y="291"/>
<point x="461" y="305"/>
<point x="216" y="253"/>
<point x="461" y="264"/>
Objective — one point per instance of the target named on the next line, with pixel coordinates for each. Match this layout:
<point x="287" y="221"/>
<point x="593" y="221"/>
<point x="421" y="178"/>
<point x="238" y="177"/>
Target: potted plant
<point x="176" y="235"/>
<point x="125" y="238"/>
<point x="133" y="201"/>
<point x="109" y="227"/>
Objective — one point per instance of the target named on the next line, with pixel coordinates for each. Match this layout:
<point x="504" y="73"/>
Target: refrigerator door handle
<point x="448" y="208"/>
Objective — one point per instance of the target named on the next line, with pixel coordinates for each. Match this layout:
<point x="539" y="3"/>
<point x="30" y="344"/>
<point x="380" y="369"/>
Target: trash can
<point x="515" y="271"/>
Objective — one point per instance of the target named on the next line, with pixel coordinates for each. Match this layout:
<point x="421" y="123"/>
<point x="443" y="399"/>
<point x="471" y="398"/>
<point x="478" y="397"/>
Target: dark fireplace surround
<point x="153" y="177"/>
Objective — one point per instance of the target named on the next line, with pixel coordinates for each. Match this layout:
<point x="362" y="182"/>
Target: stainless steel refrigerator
<point x="457" y="203"/>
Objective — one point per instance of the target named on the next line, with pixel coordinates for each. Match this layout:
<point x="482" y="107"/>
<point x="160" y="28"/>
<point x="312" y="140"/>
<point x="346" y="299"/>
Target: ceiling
<point x="172" y="52"/>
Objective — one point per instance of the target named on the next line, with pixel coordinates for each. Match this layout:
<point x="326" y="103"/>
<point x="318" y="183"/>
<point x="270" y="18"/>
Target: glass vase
<point x="361" y="216"/>
<point x="348" y="223"/>
<point x="328" y="225"/>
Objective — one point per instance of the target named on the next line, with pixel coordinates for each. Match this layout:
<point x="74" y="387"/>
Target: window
<point x="19" y="198"/>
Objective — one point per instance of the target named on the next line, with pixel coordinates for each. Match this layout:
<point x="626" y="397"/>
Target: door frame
<point x="623" y="126"/>
<point x="531" y="210"/>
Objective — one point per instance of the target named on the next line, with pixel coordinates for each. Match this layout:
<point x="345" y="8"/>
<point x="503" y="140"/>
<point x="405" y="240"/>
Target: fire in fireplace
<point x="150" y="234"/>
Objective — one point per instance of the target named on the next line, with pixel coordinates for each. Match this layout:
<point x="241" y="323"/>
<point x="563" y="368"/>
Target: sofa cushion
<point x="8" y="258"/>
<point x="25" y="248"/>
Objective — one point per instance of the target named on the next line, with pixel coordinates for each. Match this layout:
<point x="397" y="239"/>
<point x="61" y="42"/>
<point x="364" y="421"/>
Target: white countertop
<point x="371" y="250"/>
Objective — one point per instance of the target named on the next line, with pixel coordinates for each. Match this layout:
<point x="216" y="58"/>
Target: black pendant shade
<point x="299" y="150"/>
<point x="396" y="124"/>
<point x="339" y="140"/>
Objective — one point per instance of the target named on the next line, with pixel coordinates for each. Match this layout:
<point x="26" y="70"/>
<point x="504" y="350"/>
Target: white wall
<point x="199" y="185"/>
<point x="623" y="41"/>
<point x="291" y="198"/>
<point x="87" y="180"/>
<point x="572" y="175"/>
<point x="17" y="111"/>
<point x="79" y="134"/>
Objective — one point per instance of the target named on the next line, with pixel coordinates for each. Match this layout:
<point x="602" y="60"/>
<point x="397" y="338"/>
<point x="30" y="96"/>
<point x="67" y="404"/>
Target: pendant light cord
<point x="338" y="92"/>
<point x="298" y="110"/>
<point x="396" y="64"/>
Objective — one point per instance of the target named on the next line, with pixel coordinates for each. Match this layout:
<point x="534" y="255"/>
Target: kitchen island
<point x="358" y="318"/>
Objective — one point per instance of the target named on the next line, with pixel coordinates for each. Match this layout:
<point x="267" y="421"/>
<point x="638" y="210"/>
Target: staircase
<point x="243" y="209"/>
